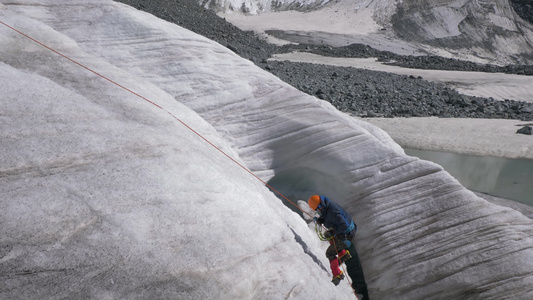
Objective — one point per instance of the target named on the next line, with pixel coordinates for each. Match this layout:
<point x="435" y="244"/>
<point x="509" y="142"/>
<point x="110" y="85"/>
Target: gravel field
<point x="360" y="92"/>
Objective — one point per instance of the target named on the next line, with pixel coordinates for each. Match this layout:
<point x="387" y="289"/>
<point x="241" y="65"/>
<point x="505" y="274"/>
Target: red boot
<point x="337" y="273"/>
<point x="337" y="279"/>
<point x="334" y="265"/>
<point x="344" y="255"/>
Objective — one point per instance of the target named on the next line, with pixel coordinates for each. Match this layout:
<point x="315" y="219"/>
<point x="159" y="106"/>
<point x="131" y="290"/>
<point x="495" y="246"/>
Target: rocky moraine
<point x="359" y="92"/>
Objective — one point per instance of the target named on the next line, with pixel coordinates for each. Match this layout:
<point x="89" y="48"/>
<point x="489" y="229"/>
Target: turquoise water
<point x="501" y="177"/>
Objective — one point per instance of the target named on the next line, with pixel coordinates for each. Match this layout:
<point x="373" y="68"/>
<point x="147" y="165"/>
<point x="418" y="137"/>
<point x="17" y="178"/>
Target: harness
<point x="347" y="235"/>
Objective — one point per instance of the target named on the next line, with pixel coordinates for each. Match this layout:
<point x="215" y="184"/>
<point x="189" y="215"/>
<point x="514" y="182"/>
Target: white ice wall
<point x="106" y="196"/>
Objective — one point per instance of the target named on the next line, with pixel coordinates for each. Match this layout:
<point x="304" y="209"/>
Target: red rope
<point x="175" y="117"/>
<point x="158" y="106"/>
<point x="344" y="269"/>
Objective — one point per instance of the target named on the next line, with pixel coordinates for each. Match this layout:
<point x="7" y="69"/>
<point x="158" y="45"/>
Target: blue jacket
<point x="334" y="216"/>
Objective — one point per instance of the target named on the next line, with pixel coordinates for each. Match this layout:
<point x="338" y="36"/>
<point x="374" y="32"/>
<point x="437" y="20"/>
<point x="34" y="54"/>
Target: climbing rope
<point x="319" y="231"/>
<point x="158" y="106"/>
<point x="332" y="241"/>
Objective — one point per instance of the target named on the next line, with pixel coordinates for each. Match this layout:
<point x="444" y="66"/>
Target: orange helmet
<point x="314" y="201"/>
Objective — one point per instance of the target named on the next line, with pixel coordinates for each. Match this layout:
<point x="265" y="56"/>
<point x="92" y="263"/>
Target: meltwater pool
<point x="502" y="177"/>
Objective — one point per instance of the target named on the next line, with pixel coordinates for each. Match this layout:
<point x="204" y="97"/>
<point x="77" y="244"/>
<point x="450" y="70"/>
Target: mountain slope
<point x="488" y="31"/>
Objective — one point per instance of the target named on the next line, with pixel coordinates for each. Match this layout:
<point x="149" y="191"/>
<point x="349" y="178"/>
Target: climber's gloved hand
<point x="328" y="234"/>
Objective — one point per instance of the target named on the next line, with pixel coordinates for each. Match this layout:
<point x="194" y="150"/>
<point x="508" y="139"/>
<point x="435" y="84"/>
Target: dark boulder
<point x="525" y="130"/>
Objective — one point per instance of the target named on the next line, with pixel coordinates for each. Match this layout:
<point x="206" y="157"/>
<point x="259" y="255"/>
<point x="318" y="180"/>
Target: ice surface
<point x="105" y="195"/>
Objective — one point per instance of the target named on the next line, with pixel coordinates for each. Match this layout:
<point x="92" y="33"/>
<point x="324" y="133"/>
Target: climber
<point x="341" y="231"/>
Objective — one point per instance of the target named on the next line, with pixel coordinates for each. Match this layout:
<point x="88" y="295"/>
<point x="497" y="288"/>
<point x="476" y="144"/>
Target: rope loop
<point x="319" y="229"/>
